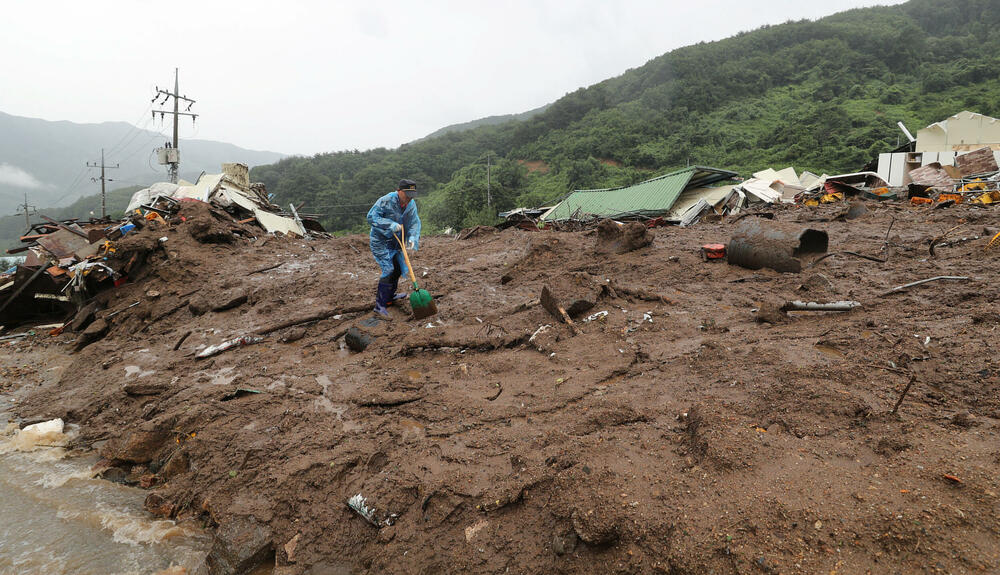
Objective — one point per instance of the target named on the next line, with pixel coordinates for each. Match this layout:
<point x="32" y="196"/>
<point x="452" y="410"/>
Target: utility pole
<point x="27" y="213"/>
<point x="171" y="155"/>
<point x="104" y="207"/>
<point x="489" y="197"/>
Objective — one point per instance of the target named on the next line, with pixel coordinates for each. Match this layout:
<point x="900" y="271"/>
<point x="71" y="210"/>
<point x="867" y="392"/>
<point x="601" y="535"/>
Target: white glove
<point x="396" y="227"/>
<point x="411" y="245"/>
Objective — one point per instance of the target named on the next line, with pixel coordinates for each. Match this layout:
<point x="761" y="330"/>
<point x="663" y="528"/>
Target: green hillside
<point x="823" y="96"/>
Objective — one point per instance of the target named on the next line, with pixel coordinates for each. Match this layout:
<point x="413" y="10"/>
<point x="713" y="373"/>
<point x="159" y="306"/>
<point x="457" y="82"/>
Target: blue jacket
<point x="381" y="216"/>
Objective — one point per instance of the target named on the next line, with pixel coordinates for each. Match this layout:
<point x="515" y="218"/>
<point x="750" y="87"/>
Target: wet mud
<point x="676" y="433"/>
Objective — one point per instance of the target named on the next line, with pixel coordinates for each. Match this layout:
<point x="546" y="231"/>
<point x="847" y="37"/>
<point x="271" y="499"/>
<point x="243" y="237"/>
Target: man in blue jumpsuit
<point x="391" y="213"/>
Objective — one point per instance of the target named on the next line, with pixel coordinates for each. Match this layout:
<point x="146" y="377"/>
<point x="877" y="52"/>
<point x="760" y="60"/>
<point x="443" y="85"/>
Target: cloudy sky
<point x="307" y="76"/>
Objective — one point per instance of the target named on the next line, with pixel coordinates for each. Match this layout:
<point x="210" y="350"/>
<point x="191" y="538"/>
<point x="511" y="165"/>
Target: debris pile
<point x="68" y="262"/>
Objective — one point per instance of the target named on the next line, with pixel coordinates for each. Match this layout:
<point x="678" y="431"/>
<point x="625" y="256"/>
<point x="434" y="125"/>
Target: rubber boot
<point x="383" y="296"/>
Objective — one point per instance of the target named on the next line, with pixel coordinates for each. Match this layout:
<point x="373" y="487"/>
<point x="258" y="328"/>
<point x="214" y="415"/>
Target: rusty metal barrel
<point x="759" y="243"/>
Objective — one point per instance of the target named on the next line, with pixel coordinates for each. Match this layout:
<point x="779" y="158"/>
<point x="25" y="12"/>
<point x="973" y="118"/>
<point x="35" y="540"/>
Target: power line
<point x="104" y="210"/>
<point x="137" y="133"/>
<point x="132" y="128"/>
<point x="73" y="185"/>
<point x="27" y="214"/>
<point x="142" y="145"/>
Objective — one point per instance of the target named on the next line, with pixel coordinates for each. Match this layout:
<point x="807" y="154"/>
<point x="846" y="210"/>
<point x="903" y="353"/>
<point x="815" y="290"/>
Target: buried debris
<point x="228" y="344"/>
<point x="902" y="395"/>
<point x="780" y="246"/>
<point x="551" y="305"/>
<point x="710" y="252"/>
<point x="770" y="312"/>
<point x="815" y="306"/>
<point x="360" y="505"/>
<point x="357" y="340"/>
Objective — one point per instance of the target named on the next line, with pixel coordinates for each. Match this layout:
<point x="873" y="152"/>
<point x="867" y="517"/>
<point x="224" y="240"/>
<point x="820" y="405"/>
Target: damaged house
<point x="67" y="264"/>
<point x="967" y="141"/>
<point x="679" y="197"/>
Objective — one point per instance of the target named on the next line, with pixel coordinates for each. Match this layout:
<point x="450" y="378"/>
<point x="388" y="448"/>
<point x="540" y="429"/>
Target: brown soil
<point x="535" y="166"/>
<point x="675" y="435"/>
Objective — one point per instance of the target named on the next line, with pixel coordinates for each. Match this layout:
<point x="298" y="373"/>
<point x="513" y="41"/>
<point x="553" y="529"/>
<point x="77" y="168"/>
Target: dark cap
<point x="407" y="185"/>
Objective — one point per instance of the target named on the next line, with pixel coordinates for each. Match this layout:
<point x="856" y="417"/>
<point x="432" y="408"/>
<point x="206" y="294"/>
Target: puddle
<point x="137" y="372"/>
<point x="412" y="429"/>
<point x="414" y="375"/>
<point x="829" y="350"/>
<point x="323" y="403"/>
<point x="224" y="376"/>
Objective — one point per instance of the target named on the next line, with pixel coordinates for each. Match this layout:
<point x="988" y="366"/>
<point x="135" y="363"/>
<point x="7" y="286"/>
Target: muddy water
<point x="56" y="519"/>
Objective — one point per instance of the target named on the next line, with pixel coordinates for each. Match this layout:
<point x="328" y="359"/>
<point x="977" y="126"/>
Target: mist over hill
<point x="47" y="160"/>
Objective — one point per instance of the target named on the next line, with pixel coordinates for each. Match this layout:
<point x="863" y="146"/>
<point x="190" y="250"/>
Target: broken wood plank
<point x="552" y="306"/>
<point x="65" y="227"/>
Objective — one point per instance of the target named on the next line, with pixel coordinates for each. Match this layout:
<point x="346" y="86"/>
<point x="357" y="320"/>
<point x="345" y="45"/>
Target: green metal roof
<point x="651" y="198"/>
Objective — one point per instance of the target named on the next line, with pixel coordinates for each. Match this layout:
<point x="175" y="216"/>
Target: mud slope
<point x="674" y="435"/>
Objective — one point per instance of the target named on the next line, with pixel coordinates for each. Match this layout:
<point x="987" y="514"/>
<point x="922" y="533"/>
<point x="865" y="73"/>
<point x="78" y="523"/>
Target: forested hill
<point x="823" y="96"/>
<point x="488" y="121"/>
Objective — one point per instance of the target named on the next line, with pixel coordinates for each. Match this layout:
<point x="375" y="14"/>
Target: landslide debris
<point x="673" y="433"/>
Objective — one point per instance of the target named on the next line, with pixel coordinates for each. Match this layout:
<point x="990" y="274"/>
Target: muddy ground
<point x="677" y="434"/>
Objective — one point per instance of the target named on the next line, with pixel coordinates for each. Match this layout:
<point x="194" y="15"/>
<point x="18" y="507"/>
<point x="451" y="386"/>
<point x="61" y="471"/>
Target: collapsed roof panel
<point x="650" y="198"/>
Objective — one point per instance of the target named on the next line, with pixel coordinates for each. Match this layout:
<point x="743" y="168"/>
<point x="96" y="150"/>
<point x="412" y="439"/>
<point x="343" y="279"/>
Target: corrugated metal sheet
<point x="651" y="198"/>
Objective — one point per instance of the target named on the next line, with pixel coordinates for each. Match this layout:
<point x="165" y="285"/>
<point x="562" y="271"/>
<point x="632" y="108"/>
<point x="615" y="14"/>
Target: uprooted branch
<point x="319" y="316"/>
<point x="639" y="293"/>
<point x="928" y="280"/>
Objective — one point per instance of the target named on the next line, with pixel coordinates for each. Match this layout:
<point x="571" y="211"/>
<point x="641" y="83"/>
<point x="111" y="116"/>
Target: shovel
<point x="420" y="300"/>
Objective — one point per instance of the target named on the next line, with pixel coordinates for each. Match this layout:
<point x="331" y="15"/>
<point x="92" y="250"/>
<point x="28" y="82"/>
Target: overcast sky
<point x="304" y="77"/>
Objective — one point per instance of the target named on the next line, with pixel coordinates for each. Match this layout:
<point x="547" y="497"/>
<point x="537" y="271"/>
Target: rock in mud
<point x="138" y="447"/>
<point x="114" y="475"/>
<point x="290" y="547"/>
<point x="83" y="317"/>
<point x="240" y="545"/>
<point x="204" y="228"/>
<point x="158" y="506"/>
<point x="563" y="544"/>
<point x="620" y="239"/>
<point x="94" y="332"/>
<point x="357" y="340"/>
<point x="141" y="387"/>
<point x="177" y="464"/>
<point x="230" y="300"/>
<point x="198" y="305"/>
<point x="294" y="334"/>
<point x="770" y="312"/>
<point x="818" y="283"/>
<point x="595" y="526"/>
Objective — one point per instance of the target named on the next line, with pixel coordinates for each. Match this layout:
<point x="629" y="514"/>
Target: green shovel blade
<point x="420" y="298"/>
